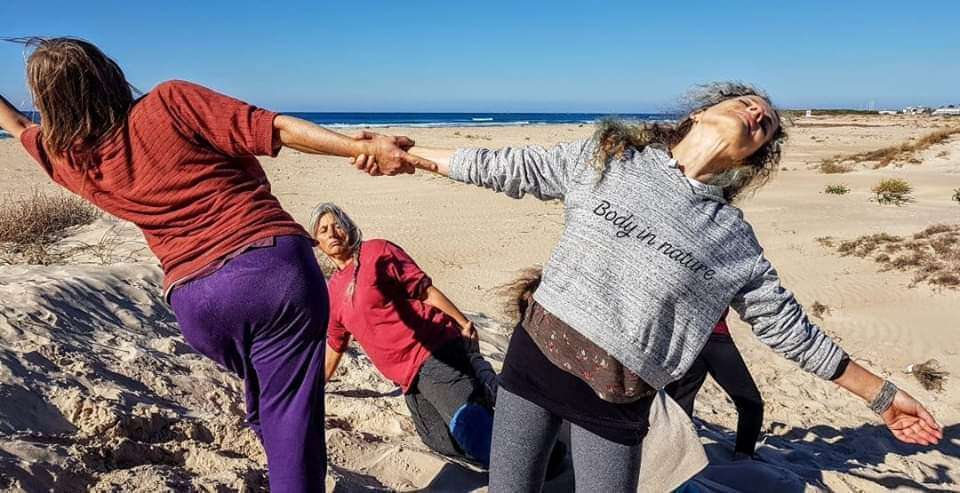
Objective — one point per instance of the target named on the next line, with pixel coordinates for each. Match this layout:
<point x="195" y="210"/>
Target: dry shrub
<point x="932" y="230"/>
<point x="914" y="258"/>
<point x="826" y="241"/>
<point x="819" y="309"/>
<point x="892" y="191"/>
<point x="832" y="167"/>
<point x="884" y="156"/>
<point x="29" y="227"/>
<point x="956" y="195"/>
<point x="839" y="189"/>
<point x="930" y="375"/>
<point x="865" y="245"/>
<point x="933" y="255"/>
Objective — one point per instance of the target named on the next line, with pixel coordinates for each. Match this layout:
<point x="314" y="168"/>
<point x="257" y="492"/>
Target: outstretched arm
<point x="515" y="171"/>
<point x="12" y="120"/>
<point x="439" y="157"/>
<point x="780" y="322"/>
<point x="389" y="152"/>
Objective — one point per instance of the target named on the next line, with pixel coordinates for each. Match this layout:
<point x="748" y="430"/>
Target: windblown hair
<point x="518" y="294"/>
<point x="81" y="93"/>
<point x="615" y="137"/>
<point x="353" y="232"/>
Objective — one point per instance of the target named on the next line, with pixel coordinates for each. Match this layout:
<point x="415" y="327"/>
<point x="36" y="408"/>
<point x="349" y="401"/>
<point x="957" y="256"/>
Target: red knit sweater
<point x="182" y="169"/>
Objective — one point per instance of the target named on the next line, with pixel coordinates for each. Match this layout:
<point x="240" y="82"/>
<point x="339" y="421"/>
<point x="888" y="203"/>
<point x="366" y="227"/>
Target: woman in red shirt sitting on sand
<point x="239" y="271"/>
<point x="414" y="335"/>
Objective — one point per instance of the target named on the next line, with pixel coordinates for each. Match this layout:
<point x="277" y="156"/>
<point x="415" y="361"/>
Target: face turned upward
<point x="743" y="123"/>
<point x="331" y="238"/>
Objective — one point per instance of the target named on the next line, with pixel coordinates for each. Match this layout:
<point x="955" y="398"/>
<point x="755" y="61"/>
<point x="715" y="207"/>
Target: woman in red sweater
<point x="414" y="335"/>
<point x="238" y="270"/>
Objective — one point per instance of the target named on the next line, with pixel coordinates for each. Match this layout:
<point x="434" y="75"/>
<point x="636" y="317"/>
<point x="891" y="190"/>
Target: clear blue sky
<point x="609" y="56"/>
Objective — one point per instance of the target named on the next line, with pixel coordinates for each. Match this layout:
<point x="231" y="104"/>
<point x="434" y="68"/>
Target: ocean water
<point x="361" y="120"/>
<point x="336" y="120"/>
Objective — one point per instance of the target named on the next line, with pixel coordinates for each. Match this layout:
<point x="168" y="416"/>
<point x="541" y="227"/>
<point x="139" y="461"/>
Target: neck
<point x="700" y="155"/>
<point x="342" y="260"/>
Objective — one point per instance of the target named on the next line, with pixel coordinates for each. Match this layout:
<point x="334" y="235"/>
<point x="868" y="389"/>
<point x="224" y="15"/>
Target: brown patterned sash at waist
<point x="572" y="352"/>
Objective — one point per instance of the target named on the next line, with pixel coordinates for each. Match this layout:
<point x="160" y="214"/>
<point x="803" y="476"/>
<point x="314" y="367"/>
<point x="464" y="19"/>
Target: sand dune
<point x="99" y="392"/>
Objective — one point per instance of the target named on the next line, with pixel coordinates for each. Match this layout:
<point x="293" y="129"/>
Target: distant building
<point x="916" y="110"/>
<point x="887" y="112"/>
<point x="950" y="110"/>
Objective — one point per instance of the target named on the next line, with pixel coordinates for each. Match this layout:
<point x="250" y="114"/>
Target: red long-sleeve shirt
<point x="182" y="169"/>
<point x="385" y="313"/>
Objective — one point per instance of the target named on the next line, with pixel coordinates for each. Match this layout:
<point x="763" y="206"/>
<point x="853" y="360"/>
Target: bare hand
<point x="387" y="155"/>
<point x="910" y="422"/>
<point x="471" y="340"/>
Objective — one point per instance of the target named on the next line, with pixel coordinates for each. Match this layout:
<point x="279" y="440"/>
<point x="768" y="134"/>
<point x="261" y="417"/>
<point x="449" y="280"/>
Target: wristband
<point x="884" y="398"/>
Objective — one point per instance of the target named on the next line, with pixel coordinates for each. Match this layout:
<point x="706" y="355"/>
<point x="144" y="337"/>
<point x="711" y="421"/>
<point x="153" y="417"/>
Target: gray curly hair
<point x="353" y="232"/>
<point x="615" y="136"/>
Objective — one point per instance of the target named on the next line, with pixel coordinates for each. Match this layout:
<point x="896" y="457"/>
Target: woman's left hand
<point x="910" y="422"/>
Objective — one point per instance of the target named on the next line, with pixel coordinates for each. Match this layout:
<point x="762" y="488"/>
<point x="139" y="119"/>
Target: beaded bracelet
<point x="884" y="398"/>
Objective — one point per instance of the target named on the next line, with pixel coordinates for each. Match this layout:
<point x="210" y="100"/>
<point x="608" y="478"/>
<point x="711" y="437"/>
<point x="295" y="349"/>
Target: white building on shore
<point x="950" y="110"/>
<point x="916" y="110"/>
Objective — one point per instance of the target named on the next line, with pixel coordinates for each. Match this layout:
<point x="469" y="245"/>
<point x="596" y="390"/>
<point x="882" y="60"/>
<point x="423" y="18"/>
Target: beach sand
<point x="99" y="392"/>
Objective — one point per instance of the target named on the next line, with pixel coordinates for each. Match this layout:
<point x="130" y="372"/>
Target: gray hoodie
<point x="648" y="260"/>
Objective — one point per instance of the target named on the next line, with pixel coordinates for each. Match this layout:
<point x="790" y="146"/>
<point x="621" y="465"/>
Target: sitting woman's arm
<point x="331" y="362"/>
<point x="12" y="120"/>
<point x="435" y="297"/>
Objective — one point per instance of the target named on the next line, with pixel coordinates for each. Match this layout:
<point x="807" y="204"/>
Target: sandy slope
<point x="98" y="391"/>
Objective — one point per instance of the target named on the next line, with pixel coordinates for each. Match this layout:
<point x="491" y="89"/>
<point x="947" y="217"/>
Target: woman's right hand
<point x="910" y="422"/>
<point x="387" y="155"/>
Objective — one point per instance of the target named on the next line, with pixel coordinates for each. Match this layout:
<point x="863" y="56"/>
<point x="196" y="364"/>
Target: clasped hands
<point x="387" y="155"/>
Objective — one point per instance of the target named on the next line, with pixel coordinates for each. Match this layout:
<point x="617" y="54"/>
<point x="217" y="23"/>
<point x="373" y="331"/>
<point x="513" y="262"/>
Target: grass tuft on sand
<point x="883" y="157"/>
<point x="30" y="226"/>
<point x="930" y="375"/>
<point x="893" y="191"/>
<point x="933" y="255"/>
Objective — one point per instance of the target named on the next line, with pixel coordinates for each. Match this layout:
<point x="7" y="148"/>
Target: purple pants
<point x="263" y="316"/>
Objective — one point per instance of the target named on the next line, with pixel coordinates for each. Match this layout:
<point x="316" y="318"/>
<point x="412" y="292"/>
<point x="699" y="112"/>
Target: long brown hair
<point x="517" y="295"/>
<point x="615" y="137"/>
<point x="81" y="93"/>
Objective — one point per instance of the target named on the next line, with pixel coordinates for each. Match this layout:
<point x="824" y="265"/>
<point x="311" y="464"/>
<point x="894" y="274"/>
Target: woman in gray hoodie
<point x="651" y="255"/>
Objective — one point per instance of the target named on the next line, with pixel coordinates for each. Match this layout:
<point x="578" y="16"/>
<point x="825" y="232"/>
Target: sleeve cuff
<point x="264" y="133"/>
<point x="338" y="346"/>
<point x="841" y="367"/>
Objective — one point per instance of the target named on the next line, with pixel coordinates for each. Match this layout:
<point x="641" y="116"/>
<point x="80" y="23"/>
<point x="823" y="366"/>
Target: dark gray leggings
<point x="523" y="435"/>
